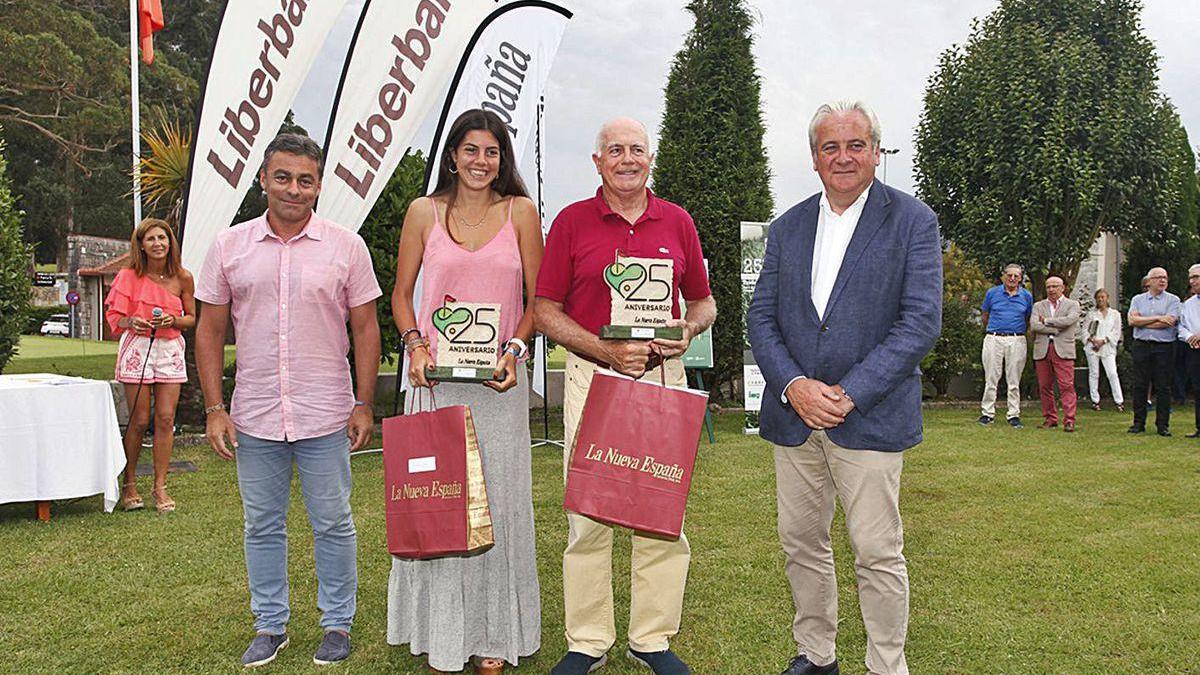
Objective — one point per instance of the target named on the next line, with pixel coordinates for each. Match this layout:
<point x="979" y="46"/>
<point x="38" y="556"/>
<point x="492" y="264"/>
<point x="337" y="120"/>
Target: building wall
<point x="84" y="251"/>
<point x="1102" y="269"/>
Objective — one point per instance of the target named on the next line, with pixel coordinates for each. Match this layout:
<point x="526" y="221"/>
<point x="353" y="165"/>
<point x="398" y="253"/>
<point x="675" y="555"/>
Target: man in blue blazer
<point x="848" y="303"/>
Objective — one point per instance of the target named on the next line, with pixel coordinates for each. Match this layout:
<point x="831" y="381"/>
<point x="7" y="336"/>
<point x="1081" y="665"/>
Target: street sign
<point x="72" y="298"/>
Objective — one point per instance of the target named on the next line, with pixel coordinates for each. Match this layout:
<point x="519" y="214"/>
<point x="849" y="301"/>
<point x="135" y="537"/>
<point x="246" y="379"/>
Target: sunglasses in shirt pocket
<point x="321" y="284"/>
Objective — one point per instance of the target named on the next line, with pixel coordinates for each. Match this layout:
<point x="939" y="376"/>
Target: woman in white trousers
<point x="1100" y="335"/>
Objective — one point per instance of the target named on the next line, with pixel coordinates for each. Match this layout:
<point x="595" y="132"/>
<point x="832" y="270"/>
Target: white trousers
<point x="1109" y="361"/>
<point x="1003" y="354"/>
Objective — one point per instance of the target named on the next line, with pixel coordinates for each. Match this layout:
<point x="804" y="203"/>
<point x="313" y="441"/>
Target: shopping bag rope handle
<point x="418" y="400"/>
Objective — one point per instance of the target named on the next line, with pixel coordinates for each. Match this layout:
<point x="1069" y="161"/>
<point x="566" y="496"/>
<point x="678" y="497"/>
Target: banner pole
<point x="135" y="112"/>
<point x="537" y="148"/>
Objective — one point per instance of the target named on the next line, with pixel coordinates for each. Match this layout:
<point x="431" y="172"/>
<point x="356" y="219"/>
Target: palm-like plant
<point x="164" y="164"/>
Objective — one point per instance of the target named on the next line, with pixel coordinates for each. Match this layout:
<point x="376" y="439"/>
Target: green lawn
<point x="1029" y="551"/>
<point x="71" y="356"/>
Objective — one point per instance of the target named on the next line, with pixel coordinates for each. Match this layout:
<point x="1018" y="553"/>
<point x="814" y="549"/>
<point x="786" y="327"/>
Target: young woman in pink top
<point x="153" y="281"/>
<point x="478" y="239"/>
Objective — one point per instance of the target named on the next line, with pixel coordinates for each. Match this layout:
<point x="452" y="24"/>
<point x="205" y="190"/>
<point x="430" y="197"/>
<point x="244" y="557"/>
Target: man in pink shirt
<point x="291" y="280"/>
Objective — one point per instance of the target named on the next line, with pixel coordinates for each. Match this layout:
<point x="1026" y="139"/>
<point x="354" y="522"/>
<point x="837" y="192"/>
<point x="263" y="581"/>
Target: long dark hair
<point x="508" y="182"/>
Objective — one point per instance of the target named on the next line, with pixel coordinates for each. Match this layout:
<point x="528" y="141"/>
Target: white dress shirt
<point x="1189" y="318"/>
<point x="829" y="248"/>
<point x="833" y="236"/>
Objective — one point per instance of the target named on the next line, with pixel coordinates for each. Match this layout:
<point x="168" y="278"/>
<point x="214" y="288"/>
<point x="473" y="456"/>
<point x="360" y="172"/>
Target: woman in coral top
<point x="150" y="357"/>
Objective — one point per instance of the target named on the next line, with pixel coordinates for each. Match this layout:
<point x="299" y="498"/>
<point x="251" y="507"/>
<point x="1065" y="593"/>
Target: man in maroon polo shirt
<point x="573" y="302"/>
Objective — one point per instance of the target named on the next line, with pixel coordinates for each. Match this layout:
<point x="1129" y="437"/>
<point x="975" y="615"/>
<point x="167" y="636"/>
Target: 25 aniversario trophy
<point x="643" y="292"/>
<point x="467" y="335"/>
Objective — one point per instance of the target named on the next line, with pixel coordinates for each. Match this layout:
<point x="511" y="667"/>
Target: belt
<point x="654" y="362"/>
<point x="999" y="334"/>
<point x="1154" y="342"/>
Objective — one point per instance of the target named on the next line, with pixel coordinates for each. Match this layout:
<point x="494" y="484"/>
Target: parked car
<point x="57" y="324"/>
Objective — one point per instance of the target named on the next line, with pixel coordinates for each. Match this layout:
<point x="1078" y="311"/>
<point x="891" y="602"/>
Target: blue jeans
<point x="265" y="478"/>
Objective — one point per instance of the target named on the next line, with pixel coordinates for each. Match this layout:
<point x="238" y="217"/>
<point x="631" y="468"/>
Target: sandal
<point x="488" y="665"/>
<point x="132" y="503"/>
<point x="162" y="501"/>
<point x="1096" y="407"/>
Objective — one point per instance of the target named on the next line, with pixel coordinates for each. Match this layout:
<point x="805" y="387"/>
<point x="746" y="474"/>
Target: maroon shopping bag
<point x="632" y="459"/>
<point x="433" y="475"/>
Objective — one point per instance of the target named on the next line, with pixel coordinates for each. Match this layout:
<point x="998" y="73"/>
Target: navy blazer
<point x="882" y="318"/>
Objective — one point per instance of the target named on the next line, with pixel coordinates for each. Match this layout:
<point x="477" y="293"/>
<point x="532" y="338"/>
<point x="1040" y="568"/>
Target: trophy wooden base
<point x="641" y="332"/>
<point x="449" y="374"/>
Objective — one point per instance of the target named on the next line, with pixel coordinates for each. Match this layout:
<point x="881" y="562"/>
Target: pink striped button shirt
<point x="290" y="304"/>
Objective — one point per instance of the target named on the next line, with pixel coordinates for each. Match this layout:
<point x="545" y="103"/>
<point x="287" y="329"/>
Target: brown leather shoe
<point x="1049" y="425"/>
<point x="1068" y="427"/>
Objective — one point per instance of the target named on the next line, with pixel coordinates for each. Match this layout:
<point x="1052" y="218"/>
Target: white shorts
<point x="165" y="364"/>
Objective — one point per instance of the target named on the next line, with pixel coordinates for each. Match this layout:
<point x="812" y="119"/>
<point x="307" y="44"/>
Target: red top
<point x="584" y="240"/>
<point x="132" y="295"/>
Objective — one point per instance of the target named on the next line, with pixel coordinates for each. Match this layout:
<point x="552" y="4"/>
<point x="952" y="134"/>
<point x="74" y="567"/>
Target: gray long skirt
<point x="487" y="604"/>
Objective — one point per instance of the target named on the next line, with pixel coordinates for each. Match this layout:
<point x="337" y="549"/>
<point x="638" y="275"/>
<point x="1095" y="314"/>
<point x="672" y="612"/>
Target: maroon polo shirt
<point x="584" y="240"/>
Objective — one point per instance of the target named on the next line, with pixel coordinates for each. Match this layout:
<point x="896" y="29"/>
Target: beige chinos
<point x="1003" y="355"/>
<point x="659" y="566"/>
<point x="867" y="482"/>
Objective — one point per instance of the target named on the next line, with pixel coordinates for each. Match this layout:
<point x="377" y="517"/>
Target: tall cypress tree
<point x="711" y="159"/>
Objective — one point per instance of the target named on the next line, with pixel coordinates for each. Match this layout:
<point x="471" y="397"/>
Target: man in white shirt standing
<point x="1189" y="332"/>
<point x="848" y="303"/>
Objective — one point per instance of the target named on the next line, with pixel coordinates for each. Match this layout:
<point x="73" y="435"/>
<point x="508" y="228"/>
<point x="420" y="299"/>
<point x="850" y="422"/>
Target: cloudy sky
<point x="616" y="55"/>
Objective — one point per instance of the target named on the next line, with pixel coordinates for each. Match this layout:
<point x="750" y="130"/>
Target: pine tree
<point x="711" y="159"/>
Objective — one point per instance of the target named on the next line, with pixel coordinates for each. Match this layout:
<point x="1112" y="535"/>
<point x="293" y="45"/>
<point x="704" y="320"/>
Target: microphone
<point x="157" y="314"/>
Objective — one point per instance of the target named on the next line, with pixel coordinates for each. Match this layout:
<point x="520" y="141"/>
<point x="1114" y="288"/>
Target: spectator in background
<point x="1189" y="333"/>
<point x="1101" y="333"/>
<point x="1179" y="380"/>
<point x="1053" y="324"/>
<point x="1005" y="317"/>
<point x="150" y="356"/>
<point x="1154" y="316"/>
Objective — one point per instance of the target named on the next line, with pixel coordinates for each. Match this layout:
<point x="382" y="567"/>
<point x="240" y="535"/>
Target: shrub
<point x="15" y="264"/>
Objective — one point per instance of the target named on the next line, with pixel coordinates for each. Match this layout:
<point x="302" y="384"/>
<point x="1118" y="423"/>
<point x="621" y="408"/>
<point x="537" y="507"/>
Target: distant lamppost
<point x="885" y="153"/>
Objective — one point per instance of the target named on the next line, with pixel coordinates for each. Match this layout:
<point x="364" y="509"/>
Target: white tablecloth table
<point x="59" y="439"/>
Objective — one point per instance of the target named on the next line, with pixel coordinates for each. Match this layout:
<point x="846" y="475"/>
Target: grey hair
<point x="845" y="106"/>
<point x="1014" y="266"/>
<point x="1193" y="268"/>
<point x="295" y="144"/>
<point x="602" y="135"/>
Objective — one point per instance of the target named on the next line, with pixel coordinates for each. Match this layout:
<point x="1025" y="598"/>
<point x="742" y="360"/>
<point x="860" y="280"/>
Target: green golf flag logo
<point x="624" y="278"/>
<point x="449" y="321"/>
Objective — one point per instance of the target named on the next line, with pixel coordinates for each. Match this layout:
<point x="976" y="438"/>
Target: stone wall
<point x="83" y="252"/>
